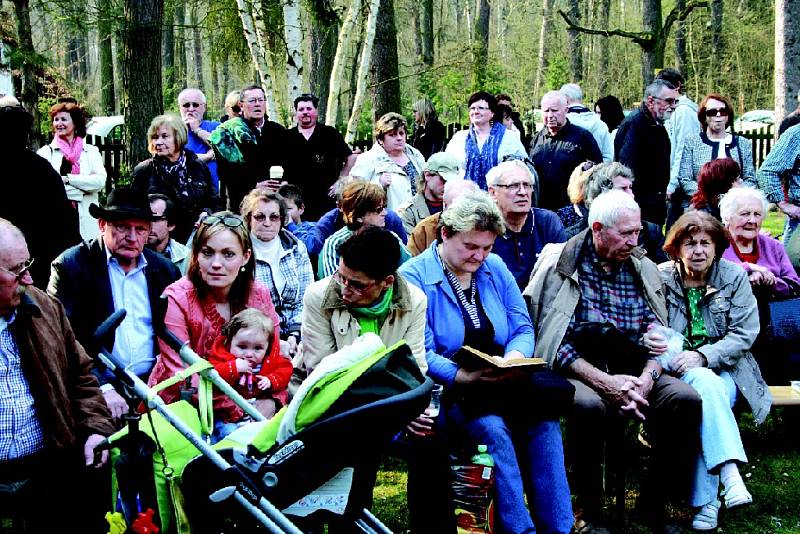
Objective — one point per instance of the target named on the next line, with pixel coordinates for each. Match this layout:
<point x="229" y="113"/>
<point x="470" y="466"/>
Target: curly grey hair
<point x="602" y="179"/>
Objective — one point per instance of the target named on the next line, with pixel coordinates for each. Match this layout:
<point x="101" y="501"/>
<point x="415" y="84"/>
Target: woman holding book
<point x="474" y="300"/>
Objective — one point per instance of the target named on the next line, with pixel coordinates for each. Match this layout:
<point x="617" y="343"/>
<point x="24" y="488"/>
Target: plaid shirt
<point x="296" y="270"/>
<point x="20" y="429"/>
<point x="616" y="297"/>
<point x="782" y="166"/>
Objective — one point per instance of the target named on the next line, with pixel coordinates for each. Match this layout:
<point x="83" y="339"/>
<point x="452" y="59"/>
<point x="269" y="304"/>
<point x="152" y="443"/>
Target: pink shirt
<point x="198" y="322"/>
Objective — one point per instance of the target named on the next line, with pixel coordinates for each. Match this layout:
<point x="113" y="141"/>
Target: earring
<point x="242" y="269"/>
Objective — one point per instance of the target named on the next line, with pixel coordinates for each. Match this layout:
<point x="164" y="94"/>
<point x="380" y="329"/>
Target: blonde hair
<point x="424" y="107"/>
<point x="248" y="318"/>
<point x="175" y="124"/>
<point x="390" y="122"/>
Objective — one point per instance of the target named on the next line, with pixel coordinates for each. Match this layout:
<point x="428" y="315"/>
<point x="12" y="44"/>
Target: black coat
<point x="79" y="279"/>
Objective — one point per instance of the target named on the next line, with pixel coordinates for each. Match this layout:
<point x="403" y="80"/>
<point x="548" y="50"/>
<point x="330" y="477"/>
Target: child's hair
<point x="248" y="318"/>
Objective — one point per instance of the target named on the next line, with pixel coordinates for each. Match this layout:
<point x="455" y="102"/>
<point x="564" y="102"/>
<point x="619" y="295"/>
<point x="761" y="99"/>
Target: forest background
<point x="364" y="58"/>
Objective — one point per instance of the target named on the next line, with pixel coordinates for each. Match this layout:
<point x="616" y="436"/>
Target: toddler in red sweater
<point x="245" y="358"/>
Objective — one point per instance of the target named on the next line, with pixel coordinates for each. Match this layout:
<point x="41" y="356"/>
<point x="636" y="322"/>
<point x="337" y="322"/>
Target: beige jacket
<point x="554" y="292"/>
<point x="413" y="211"/>
<point x="327" y="324"/>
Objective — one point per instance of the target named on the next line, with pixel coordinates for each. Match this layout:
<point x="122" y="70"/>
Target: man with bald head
<point x="557" y="149"/>
<point x="192" y="105"/>
<point x="52" y="414"/>
<point x="425" y="232"/>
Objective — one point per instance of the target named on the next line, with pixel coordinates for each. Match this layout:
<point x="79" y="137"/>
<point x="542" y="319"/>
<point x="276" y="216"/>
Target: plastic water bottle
<point x="473" y="493"/>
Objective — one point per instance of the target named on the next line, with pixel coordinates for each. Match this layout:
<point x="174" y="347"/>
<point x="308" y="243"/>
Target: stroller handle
<point x="110" y="324"/>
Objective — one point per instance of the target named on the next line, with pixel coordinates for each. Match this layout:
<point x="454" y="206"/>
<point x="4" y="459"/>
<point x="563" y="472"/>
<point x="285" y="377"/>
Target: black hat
<point x="123" y="203"/>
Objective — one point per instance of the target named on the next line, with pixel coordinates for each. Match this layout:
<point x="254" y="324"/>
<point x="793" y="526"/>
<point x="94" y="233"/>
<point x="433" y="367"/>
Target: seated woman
<point x="709" y="301"/>
<point x="218" y="285"/>
<point x="474" y="300"/>
<point x="362" y="204"/>
<point x="282" y="263"/>
<point x="716" y="178"/>
<point x="772" y="276"/>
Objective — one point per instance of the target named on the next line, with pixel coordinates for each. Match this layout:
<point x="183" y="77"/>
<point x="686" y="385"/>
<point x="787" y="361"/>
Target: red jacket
<point x="275" y="367"/>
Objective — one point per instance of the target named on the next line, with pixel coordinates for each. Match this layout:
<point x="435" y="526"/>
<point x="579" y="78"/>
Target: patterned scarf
<point x="227" y="137"/>
<point x="370" y="318"/>
<point x="71" y="152"/>
<point x="175" y="176"/>
<point x="480" y="161"/>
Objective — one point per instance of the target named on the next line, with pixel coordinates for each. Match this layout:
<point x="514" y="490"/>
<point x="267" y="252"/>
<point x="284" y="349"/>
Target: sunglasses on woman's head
<point x="231" y="221"/>
<point x="587" y="165"/>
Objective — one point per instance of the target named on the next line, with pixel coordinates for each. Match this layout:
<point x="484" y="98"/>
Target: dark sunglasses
<point x="187" y="105"/>
<point x="261" y="217"/>
<point x="719" y="112"/>
<point x="20" y="273"/>
<point x="231" y="221"/>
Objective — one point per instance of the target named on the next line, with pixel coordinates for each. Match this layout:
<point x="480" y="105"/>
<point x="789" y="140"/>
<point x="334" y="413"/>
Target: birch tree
<point x="363" y="72"/>
<point x="294" y="54"/>
<point x="256" y="43"/>
<point x="345" y="39"/>
<point x="787" y="56"/>
<point x="541" y="59"/>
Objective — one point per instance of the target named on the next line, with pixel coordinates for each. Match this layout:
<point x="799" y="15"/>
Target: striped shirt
<point x="20" y="430"/>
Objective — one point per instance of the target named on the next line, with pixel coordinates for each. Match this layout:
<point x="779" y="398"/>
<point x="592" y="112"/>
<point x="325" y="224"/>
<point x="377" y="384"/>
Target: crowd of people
<point x="267" y="249"/>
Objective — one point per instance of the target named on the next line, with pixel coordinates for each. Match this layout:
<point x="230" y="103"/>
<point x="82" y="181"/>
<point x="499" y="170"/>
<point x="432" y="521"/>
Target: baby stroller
<point x="298" y="464"/>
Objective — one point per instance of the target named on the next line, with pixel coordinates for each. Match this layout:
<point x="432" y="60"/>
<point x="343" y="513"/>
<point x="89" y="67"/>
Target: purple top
<point x="771" y="255"/>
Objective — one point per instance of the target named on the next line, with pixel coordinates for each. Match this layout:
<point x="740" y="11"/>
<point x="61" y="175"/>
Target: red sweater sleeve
<point x="277" y="368"/>
<point x="223" y="361"/>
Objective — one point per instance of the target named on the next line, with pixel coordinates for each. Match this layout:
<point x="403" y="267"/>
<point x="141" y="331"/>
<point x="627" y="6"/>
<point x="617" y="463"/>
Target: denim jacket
<point x="730" y="314"/>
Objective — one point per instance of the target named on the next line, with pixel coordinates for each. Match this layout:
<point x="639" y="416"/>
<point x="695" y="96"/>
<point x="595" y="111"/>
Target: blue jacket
<point x="332" y="221"/>
<point x="444" y="329"/>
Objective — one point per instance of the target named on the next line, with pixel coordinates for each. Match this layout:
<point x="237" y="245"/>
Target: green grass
<point x="774" y="223"/>
<point x="772" y="476"/>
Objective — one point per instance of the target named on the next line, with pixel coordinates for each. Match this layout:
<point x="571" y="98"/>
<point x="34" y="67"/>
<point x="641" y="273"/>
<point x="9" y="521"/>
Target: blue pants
<point x="719" y="433"/>
<point x="528" y="457"/>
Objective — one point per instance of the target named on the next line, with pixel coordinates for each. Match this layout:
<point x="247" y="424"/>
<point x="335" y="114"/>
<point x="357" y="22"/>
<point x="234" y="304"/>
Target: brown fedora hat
<point x="123" y="203"/>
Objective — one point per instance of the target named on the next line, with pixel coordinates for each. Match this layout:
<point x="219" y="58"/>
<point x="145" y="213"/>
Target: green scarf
<point x="370" y="318"/>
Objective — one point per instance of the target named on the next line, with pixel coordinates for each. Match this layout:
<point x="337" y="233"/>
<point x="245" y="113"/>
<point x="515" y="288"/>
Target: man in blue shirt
<point x="528" y="229"/>
<point x="192" y="105"/>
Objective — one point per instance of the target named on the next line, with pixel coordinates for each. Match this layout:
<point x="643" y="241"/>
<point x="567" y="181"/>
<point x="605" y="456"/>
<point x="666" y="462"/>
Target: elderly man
<point x="642" y="144"/>
<point x="98" y="277"/>
<point x="591" y="300"/>
<point x="782" y="166"/>
<point x="163" y="224"/>
<point x="436" y="172"/>
<point x="317" y="156"/>
<point x="580" y="115"/>
<point x="557" y="149"/>
<point x="53" y="415"/>
<point x="528" y="229"/>
<point x="681" y="125"/>
<point x="426" y="231"/>
<point x="247" y="146"/>
<point x="192" y="105"/>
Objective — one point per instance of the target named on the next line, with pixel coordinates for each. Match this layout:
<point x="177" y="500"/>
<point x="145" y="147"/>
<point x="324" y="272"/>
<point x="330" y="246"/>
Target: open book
<point x="471" y="359"/>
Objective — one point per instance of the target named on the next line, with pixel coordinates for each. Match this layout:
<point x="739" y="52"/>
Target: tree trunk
<point x="180" y="44"/>
<point x="226" y="75"/>
<point x="787" y="57"/>
<point x="29" y="96"/>
<point x="337" y="70"/>
<point x="480" y="47"/>
<point x="168" y="51"/>
<point x="541" y="61"/>
<point x="651" y="22"/>
<point x="385" y="73"/>
<point x="197" y="49"/>
<point x="417" y="25"/>
<point x="363" y="66"/>
<point x="106" y="57"/>
<point x="263" y="36"/>
<point x="141" y="73"/>
<point x="293" y="34"/>
<point x="323" y="43"/>
<point x="680" y="43"/>
<point x="574" y="43"/>
<point x="717" y="44"/>
<point x="255" y="43"/>
<point x="603" y="85"/>
<point x="427" y="33"/>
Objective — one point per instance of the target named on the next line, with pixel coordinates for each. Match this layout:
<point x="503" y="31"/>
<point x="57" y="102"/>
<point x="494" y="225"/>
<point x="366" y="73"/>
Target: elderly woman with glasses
<point x="282" y="263"/>
<point x="473" y="299"/>
<point x="218" y="285"/>
<point x="176" y="172"/>
<point x="362" y="204"/>
<point x="486" y="142"/>
<point x="391" y="162"/>
<point x="713" y="142"/>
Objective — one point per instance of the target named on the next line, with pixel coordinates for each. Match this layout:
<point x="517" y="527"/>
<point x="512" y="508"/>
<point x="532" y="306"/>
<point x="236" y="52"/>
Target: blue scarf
<point x="480" y="161"/>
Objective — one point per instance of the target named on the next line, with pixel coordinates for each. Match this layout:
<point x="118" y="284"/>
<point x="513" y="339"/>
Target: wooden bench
<point x="784" y="396"/>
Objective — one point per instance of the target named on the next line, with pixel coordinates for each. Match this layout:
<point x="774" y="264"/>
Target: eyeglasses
<point x="187" y="105"/>
<point x="377" y="210"/>
<point x="231" y="221"/>
<point x="20" y="273"/>
<point x="718" y="112"/>
<point x="516" y="186"/>
<point x="478" y="108"/>
<point x="126" y="229"/>
<point x="261" y="217"/>
<point x="586" y="165"/>
<point x="354" y="285"/>
<point x="255" y="100"/>
<point x="669" y="101"/>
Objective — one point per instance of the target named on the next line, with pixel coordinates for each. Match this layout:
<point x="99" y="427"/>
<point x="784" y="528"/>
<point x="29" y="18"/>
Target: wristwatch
<point x="655" y="375"/>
